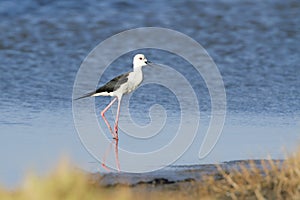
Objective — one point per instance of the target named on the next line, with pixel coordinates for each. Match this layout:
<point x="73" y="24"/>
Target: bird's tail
<point x="86" y="95"/>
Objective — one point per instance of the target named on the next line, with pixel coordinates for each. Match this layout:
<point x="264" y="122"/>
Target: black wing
<point x="86" y="95"/>
<point x="113" y="84"/>
<point x="110" y="86"/>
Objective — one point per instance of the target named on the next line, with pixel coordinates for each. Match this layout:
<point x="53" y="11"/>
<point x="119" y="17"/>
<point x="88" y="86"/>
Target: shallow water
<point x="42" y="44"/>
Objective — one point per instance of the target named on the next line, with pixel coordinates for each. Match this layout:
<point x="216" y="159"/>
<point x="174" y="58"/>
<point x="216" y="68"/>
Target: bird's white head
<point x="139" y="60"/>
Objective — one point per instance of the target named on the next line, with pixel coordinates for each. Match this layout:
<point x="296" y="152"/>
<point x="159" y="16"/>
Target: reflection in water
<point x="114" y="143"/>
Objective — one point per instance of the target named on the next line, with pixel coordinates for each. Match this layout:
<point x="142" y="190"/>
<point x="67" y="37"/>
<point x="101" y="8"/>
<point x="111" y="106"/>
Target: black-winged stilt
<point x="119" y="86"/>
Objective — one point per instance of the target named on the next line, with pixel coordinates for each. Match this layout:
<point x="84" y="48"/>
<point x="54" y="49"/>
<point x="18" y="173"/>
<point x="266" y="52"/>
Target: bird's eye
<point x="141" y="58"/>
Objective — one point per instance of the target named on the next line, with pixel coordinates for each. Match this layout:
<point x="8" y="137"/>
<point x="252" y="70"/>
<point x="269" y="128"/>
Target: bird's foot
<point x="116" y="137"/>
<point x="116" y="130"/>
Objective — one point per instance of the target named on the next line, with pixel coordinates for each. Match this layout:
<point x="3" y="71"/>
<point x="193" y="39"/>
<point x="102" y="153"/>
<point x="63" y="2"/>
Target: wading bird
<point x="119" y="86"/>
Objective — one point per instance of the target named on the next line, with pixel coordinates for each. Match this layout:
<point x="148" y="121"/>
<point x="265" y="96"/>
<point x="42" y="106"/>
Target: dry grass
<point x="271" y="180"/>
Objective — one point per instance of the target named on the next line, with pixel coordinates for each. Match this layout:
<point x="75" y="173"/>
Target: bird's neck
<point x="137" y="69"/>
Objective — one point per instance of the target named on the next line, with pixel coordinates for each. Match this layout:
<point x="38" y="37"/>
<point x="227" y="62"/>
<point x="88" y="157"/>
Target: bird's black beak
<point x="148" y="62"/>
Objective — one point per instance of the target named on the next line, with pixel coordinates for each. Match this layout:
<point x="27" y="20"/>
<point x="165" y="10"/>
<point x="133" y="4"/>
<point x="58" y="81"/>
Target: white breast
<point x="135" y="78"/>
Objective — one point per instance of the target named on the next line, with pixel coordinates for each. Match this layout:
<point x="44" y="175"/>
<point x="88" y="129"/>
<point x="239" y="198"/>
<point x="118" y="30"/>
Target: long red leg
<point x="115" y="133"/>
<point x="105" y="120"/>
<point x="117" y="117"/>
<point x="117" y="155"/>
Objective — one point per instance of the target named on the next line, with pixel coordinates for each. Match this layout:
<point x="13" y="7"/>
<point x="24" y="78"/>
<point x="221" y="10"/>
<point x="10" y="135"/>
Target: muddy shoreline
<point x="172" y="176"/>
